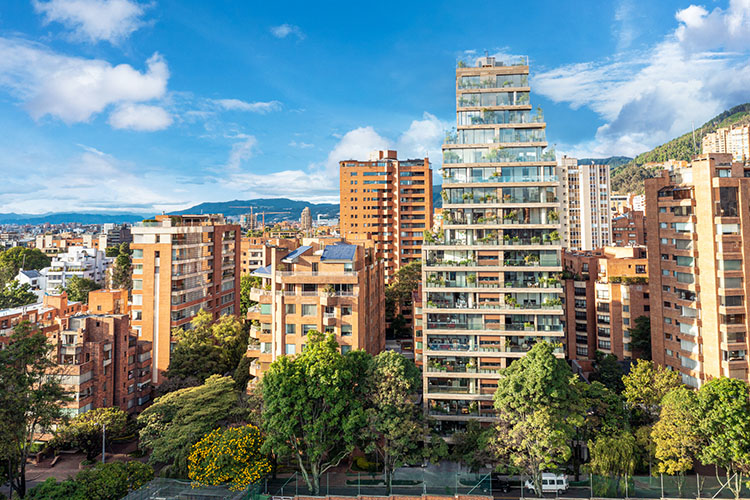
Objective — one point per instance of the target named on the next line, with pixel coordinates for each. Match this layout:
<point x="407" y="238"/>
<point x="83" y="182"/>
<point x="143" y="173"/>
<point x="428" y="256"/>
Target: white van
<point x="550" y="483"/>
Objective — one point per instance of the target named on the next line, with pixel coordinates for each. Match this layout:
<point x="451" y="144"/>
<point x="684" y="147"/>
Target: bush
<point x="365" y="465"/>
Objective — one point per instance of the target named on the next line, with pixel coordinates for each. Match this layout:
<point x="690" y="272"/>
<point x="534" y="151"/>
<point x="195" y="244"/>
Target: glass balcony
<point x="492" y="81"/>
<point x="510" y="98"/>
<point x="486" y="117"/>
<point x="497" y="155"/>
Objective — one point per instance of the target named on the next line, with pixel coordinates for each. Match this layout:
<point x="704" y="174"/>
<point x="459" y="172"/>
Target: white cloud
<point x="423" y="138"/>
<point x="94" y="20"/>
<point x="253" y="107"/>
<point x="241" y="151"/>
<point x="74" y="89"/>
<point x="140" y="117"/>
<point x="356" y="144"/>
<point x="284" y="30"/>
<point x="647" y="98"/>
<point x="301" y="145"/>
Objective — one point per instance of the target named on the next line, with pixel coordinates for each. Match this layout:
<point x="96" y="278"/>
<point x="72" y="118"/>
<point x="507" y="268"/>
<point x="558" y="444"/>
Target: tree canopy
<point x="17" y="258"/>
<point x="645" y="387"/>
<point x="122" y="268"/>
<point x="78" y="289"/>
<point x="85" y="430"/>
<point x="14" y="294"/>
<point x="110" y="481"/>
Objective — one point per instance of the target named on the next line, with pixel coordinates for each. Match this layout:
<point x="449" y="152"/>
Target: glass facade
<point x="491" y="276"/>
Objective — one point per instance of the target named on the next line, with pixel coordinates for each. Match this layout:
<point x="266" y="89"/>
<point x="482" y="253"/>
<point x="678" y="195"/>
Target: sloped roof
<point x="296" y="254"/>
<point x="31" y="273"/>
<point x="263" y="272"/>
<point x="340" y="252"/>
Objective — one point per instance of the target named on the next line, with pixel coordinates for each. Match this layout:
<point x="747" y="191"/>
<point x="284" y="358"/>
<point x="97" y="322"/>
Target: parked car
<point x="550" y="483"/>
<point x="500" y="485"/>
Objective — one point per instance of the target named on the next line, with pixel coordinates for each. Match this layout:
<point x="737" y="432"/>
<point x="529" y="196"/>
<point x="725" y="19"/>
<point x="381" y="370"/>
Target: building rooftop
<point x="31" y="273"/>
<point x="262" y="272"/>
<point x="338" y="252"/>
<point x="293" y="256"/>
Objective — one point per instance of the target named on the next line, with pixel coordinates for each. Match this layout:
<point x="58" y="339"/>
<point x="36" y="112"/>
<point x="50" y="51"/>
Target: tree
<point x="242" y="374"/>
<point x="640" y="337"/>
<point x="17" y="258"/>
<point x="110" y="481"/>
<point x="30" y="398"/>
<point x="608" y="371"/>
<point x="645" y="387"/>
<point x="538" y="403"/>
<point x="675" y="434"/>
<point x="311" y="412"/>
<point x="208" y="347"/>
<point x="473" y="446"/>
<point x="399" y="294"/>
<point x="122" y="269"/>
<point x="113" y="251"/>
<point x="394" y="421"/>
<point x="78" y="289"/>
<point x="85" y="430"/>
<point x="231" y="456"/>
<point x="247" y="283"/>
<point x="614" y="454"/>
<point x="176" y="421"/>
<point x="723" y="411"/>
<point x="14" y="294"/>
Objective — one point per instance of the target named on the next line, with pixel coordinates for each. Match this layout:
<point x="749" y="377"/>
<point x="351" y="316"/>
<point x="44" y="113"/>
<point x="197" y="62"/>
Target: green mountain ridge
<point x="612" y="161"/>
<point x="628" y="178"/>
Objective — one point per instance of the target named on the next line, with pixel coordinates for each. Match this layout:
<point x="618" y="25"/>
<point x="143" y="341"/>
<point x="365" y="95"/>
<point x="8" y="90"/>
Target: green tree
<point x="473" y="446"/>
<point x="399" y="294"/>
<point x="85" y="430"/>
<point x="608" y="371"/>
<point x="675" y="434"/>
<point x="247" y="283"/>
<point x="17" y="258"/>
<point x="640" y="337"/>
<point x="122" y="276"/>
<point x="311" y="413"/>
<point x="645" y="387"/>
<point x="230" y="456"/>
<point x="394" y="421"/>
<point x="176" y="421"/>
<point x="30" y="398"/>
<point x="113" y="251"/>
<point x="78" y="289"/>
<point x="14" y="294"/>
<point x="208" y="347"/>
<point x="539" y="405"/>
<point x="614" y="454"/>
<point x="724" y="422"/>
<point x="110" y="481"/>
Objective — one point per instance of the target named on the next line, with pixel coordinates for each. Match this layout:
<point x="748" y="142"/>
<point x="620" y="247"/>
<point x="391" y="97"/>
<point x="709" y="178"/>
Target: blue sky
<point x="143" y="105"/>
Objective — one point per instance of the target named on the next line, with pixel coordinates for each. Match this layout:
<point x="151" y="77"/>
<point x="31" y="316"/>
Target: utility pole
<point x="104" y="434"/>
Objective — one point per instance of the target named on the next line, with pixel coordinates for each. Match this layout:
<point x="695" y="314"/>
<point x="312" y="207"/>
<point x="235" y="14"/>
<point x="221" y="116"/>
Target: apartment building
<point x="491" y="279"/>
<point x="305" y="219"/>
<point x="52" y="244"/>
<point x="388" y="201"/>
<point x="733" y="140"/>
<point x="116" y="234"/>
<point x="331" y="287"/>
<point x="81" y="262"/>
<point x="101" y="360"/>
<point x="629" y="229"/>
<point x="698" y="237"/>
<point x="182" y="264"/>
<point x="255" y="251"/>
<point x="586" y="220"/>
<point x="607" y="289"/>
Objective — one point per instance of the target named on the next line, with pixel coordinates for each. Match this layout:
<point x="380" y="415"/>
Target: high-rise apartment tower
<point x="492" y="277"/>
<point x="586" y="221"/>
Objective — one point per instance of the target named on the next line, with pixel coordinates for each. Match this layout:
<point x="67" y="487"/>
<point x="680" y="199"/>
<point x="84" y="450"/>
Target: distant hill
<point x="612" y="161"/>
<point x="629" y="178"/>
<point x="437" y="200"/>
<point x="70" y="218"/>
<point x="238" y="207"/>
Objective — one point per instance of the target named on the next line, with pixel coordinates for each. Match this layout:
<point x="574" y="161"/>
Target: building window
<point x="309" y="309"/>
<point x="291" y="329"/>
<point x="137" y="284"/>
<point x="290" y="308"/>
<point x="605" y="344"/>
<point x="307" y="328"/>
<point x="346" y="330"/>
<point x="289" y="349"/>
<point x="345" y="348"/>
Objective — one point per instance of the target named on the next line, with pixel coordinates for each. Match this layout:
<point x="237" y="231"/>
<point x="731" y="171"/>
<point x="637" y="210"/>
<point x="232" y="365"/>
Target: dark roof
<point x="339" y="251"/>
<point x="31" y="273"/>
<point x="295" y="254"/>
<point x="263" y="272"/>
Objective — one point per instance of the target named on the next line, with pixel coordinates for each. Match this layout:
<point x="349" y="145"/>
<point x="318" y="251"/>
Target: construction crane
<point x="263" y="214"/>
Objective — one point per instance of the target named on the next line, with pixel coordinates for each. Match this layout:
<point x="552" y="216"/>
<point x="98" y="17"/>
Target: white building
<point x="586" y="219"/>
<point x="88" y="263"/>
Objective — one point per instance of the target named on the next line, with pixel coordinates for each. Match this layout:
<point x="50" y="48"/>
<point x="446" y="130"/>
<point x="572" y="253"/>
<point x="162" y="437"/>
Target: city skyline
<point x="136" y="106"/>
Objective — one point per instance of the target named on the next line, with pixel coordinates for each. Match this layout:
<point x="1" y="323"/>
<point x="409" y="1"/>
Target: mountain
<point x="629" y="178"/>
<point x="70" y="218"/>
<point x="612" y="161"/>
<point x="292" y="208"/>
<point x="437" y="200"/>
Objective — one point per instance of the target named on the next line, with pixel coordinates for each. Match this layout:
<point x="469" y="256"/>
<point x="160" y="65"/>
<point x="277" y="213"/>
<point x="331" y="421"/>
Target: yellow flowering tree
<point x="229" y="456"/>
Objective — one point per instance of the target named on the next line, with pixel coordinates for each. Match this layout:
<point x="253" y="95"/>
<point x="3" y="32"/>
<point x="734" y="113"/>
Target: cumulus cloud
<point x="141" y="117"/>
<point x="241" y="150"/>
<point x="284" y="30"/>
<point x="253" y="107"/>
<point x="423" y="138"/>
<point x="74" y="89"/>
<point x="649" y="97"/>
<point x="94" y="20"/>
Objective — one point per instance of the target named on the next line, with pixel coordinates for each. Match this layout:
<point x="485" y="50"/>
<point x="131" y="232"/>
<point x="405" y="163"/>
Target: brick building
<point x="325" y="286"/>
<point x="629" y="229"/>
<point x="182" y="264"/>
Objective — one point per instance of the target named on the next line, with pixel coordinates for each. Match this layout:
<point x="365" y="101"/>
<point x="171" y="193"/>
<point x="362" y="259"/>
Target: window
<point x="730" y="265"/>
<point x="289" y="349"/>
<point x="307" y="328"/>
<point x="603" y="331"/>
<point x="732" y="300"/>
<point x="137" y="253"/>
<point x="346" y="330"/>
<point x="345" y="348"/>
<point x="291" y="329"/>
<point x="601" y="318"/>
<point x="265" y="308"/>
<point x="731" y="282"/>
<point x="309" y="309"/>
<point x="605" y="344"/>
<point x="290" y="308"/>
<point x="346" y="310"/>
<point x="137" y="284"/>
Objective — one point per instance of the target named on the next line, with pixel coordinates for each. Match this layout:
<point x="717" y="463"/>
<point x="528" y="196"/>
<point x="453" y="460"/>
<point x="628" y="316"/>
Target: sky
<point x="156" y="105"/>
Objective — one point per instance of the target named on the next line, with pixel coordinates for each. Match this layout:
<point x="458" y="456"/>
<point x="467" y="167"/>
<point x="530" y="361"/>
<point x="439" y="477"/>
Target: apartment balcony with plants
<point x="491" y="275"/>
